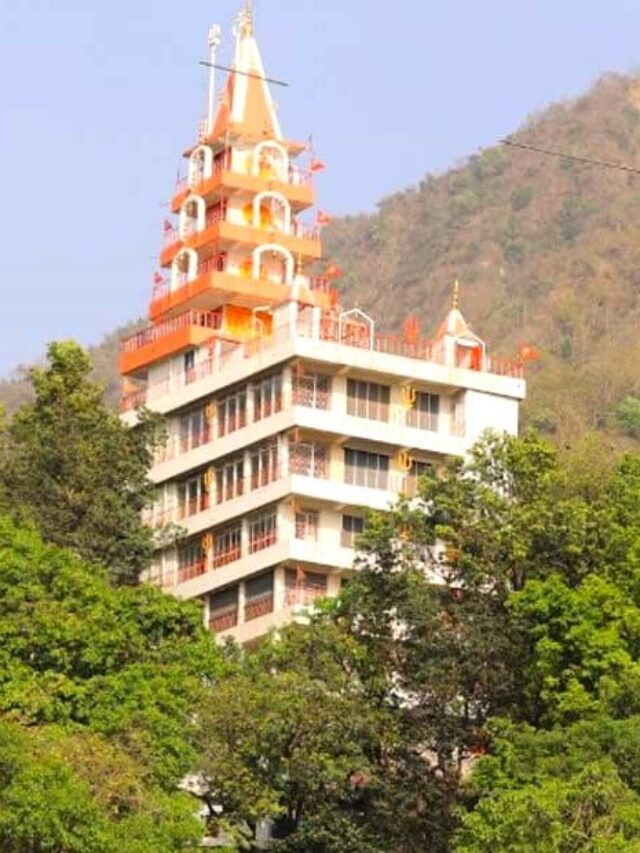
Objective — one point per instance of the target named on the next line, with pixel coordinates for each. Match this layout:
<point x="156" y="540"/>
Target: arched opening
<point x="271" y="161"/>
<point x="200" y="165"/>
<point x="272" y="210"/>
<point x="192" y="216"/>
<point x="273" y="263"/>
<point x="184" y="268"/>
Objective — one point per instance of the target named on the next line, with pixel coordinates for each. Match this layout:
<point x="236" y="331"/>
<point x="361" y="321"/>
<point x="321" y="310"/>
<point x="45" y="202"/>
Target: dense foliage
<point x="97" y="690"/>
<point x="71" y="466"/>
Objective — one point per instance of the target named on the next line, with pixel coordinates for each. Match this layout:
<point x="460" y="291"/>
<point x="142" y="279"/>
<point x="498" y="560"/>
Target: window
<point x="227" y="545"/>
<point x="367" y="400"/>
<point x="366" y="469"/>
<point x="223" y="609"/>
<point x="191" y="560"/>
<point x="312" y="389"/>
<point x="424" y="412"/>
<point x="230" y="479"/>
<point x="307" y="525"/>
<point x="457" y="416"/>
<point x="263" y="530"/>
<point x="189" y="363"/>
<point x="232" y="412"/>
<point x="267" y="397"/>
<point x="194" y="430"/>
<point x="264" y="464"/>
<point x="352" y="526"/>
<point x="418" y="469"/>
<point x="309" y="459"/>
<point x="304" y="587"/>
<point x="193" y="496"/>
<point x="258" y="596"/>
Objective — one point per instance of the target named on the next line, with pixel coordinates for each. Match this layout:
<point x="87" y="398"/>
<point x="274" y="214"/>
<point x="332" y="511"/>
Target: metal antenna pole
<point x="214" y="43"/>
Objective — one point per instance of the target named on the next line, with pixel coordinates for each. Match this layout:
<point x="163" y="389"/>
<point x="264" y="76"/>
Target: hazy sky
<point x="99" y="98"/>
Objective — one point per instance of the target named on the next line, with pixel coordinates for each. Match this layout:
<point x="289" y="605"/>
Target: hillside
<point x="547" y="251"/>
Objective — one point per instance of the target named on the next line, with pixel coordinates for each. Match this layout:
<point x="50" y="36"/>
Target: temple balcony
<point x="185" y="331"/>
<point x="298" y="190"/>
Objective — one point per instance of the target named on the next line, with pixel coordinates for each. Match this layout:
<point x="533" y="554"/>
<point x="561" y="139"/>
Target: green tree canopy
<point x="104" y="683"/>
<point x="73" y="468"/>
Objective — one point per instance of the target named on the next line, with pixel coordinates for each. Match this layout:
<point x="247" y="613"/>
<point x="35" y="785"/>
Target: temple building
<point x="287" y="415"/>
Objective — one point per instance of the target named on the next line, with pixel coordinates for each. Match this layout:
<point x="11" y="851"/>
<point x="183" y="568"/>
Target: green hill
<point x="547" y="251"/>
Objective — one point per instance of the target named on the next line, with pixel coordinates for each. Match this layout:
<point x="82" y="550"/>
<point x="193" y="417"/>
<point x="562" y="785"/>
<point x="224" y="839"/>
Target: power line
<point x="244" y="73"/>
<point x="550" y="152"/>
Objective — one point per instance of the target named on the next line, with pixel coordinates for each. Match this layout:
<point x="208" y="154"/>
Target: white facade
<point x="278" y="446"/>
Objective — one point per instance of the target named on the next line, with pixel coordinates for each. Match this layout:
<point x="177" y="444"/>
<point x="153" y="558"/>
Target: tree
<point x="289" y="737"/>
<point x="568" y="789"/>
<point x="104" y="682"/>
<point x="73" y="468"/>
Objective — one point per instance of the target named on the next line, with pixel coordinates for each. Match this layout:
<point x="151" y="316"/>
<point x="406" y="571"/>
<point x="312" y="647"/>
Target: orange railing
<point x="206" y="319"/>
<point x="257" y="607"/>
<point x="186" y="573"/>
<point x="262" y="541"/>
<point x="224" y="618"/>
<point x="226" y="556"/>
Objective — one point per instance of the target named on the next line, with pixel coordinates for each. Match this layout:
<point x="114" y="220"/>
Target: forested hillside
<point x="547" y="251"/>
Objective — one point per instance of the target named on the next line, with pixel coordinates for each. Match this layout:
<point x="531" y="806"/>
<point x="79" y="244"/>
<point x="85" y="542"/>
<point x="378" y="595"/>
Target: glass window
<point x="227" y="545"/>
<point x="312" y="389"/>
<point x="425" y="412"/>
<point x="307" y="525"/>
<point x="258" y="596"/>
<point x="223" y="609"/>
<point x="194" y="430"/>
<point x="367" y="400"/>
<point x="191" y="560"/>
<point x="230" y="479"/>
<point x="366" y="469"/>
<point x="309" y="459"/>
<point x="264" y="464"/>
<point x="352" y="526"/>
<point x="304" y="587"/>
<point x="232" y="412"/>
<point x="263" y="530"/>
<point x="418" y="469"/>
<point x="267" y="397"/>
<point x="193" y="496"/>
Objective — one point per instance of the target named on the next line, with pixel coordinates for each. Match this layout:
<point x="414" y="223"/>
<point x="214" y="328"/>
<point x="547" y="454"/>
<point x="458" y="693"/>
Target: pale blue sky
<point x="99" y="97"/>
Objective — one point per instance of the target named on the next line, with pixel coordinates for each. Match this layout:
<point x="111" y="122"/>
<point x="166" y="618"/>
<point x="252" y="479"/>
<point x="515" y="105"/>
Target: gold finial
<point x="456" y="295"/>
<point x="299" y="264"/>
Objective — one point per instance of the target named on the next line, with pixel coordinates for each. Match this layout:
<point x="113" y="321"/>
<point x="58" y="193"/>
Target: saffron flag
<point x="528" y="352"/>
<point x="316" y="165"/>
<point x="157" y="278"/>
<point x="322" y="218"/>
<point x="334" y="271"/>
<point x="167" y="226"/>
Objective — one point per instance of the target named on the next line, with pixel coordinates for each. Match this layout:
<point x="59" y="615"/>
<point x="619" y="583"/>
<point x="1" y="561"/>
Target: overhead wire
<point x="563" y="155"/>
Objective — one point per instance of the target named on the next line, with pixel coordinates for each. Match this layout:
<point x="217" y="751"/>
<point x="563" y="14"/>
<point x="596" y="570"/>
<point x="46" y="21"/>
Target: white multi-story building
<point x="287" y="416"/>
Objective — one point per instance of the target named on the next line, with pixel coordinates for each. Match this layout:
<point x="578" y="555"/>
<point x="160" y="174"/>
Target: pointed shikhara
<point x="287" y="416"/>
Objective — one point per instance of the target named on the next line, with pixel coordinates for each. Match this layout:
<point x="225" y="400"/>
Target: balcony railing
<point x="224" y="618"/>
<point x="295" y="597"/>
<point x="259" y="606"/>
<point x="187" y="573"/>
<point x="305" y="231"/>
<point x="226" y="556"/>
<point x="332" y="331"/>
<point x="205" y="319"/>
